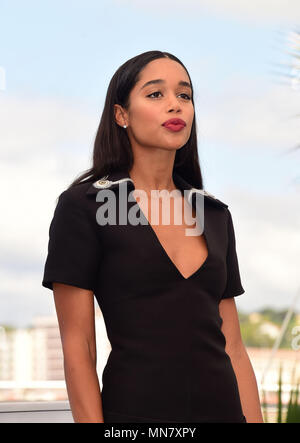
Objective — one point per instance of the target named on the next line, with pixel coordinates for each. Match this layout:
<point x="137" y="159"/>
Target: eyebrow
<point x="159" y="80"/>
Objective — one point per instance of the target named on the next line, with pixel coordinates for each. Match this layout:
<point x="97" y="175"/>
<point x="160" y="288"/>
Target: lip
<point x="174" y="122"/>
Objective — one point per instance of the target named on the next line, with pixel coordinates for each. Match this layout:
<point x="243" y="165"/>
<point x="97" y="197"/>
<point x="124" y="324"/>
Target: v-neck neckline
<point x="173" y="265"/>
<point x="164" y="253"/>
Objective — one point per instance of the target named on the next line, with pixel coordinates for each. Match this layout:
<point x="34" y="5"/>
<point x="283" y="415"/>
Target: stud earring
<point x="125" y="126"/>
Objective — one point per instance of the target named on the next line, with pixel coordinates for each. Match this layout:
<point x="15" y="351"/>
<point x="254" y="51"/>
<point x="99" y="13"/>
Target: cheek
<point x="191" y="114"/>
<point x="145" y="115"/>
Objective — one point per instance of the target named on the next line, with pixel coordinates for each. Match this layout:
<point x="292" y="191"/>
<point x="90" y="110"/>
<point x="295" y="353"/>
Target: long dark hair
<point x="112" y="149"/>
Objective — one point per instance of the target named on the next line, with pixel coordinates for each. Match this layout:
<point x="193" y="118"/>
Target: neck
<point x="152" y="178"/>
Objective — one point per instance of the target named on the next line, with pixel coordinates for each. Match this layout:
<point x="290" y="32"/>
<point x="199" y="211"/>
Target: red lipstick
<point x="174" y="124"/>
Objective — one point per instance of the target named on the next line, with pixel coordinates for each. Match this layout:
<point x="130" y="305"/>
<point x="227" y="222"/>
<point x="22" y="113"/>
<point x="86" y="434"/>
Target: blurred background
<point x="56" y="61"/>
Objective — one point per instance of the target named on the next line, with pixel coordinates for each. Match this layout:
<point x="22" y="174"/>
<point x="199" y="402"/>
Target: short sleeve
<point x="234" y="286"/>
<point x="73" y="246"/>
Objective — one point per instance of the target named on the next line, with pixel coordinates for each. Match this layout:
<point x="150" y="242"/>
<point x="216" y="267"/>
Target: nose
<point x="174" y="107"/>
<point x="174" y="104"/>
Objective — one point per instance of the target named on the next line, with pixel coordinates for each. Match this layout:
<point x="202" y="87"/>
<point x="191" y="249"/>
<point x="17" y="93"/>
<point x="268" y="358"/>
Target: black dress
<point x="168" y="361"/>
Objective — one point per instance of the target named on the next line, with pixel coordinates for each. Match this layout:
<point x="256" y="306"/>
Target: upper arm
<point x="76" y="317"/>
<point x="231" y="326"/>
<point x="71" y="271"/>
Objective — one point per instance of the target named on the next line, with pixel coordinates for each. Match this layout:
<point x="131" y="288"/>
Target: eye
<point x="188" y="97"/>
<point x="158" y="92"/>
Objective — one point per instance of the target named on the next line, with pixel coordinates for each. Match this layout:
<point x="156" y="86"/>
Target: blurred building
<point x="31" y="360"/>
<point x="288" y="359"/>
<point x="47" y="355"/>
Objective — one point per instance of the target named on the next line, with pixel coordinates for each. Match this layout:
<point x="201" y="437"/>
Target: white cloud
<point x="268" y="242"/>
<point x="35" y="126"/>
<point x="268" y="246"/>
<point x="255" y="11"/>
<point x="45" y="144"/>
<point x="246" y="116"/>
<point x="22" y="297"/>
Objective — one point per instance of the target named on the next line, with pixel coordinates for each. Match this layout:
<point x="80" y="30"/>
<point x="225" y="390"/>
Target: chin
<point x="174" y="146"/>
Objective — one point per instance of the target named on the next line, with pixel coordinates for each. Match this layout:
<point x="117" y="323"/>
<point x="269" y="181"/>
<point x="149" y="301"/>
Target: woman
<point x="167" y="297"/>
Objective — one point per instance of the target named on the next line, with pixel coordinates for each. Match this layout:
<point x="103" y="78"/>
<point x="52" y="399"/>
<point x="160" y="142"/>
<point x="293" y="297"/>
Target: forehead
<point x="163" y="68"/>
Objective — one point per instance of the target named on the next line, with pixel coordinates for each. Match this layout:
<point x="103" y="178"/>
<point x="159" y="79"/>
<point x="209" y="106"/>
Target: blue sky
<point x="70" y="48"/>
<point x="58" y="59"/>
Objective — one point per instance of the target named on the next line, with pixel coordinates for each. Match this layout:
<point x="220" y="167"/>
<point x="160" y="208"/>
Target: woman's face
<point x="152" y="105"/>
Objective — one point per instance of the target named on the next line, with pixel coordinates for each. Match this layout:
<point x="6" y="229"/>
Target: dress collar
<point x="114" y="179"/>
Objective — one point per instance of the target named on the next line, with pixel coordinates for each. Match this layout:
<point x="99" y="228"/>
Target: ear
<point x="120" y="115"/>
